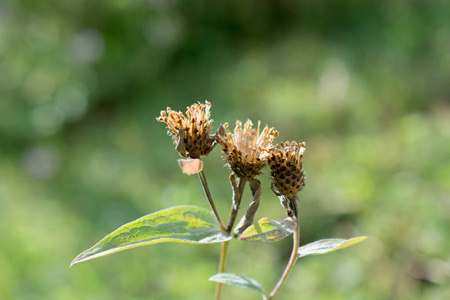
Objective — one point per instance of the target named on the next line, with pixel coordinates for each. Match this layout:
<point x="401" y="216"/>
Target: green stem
<point x="237" y="196"/>
<point x="202" y="177"/>
<point x="291" y="262"/>
<point x="222" y="268"/>
<point x="238" y="190"/>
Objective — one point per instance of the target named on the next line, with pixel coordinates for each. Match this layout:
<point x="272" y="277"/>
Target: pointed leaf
<point x="328" y="245"/>
<point x="239" y="281"/>
<point x="181" y="224"/>
<point x="267" y="230"/>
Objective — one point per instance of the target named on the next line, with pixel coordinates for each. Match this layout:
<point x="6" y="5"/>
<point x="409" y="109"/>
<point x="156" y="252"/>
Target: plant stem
<point x="202" y="177"/>
<point x="238" y="190"/>
<point x="247" y="219"/>
<point x="237" y="196"/>
<point x="291" y="263"/>
<point x="222" y="268"/>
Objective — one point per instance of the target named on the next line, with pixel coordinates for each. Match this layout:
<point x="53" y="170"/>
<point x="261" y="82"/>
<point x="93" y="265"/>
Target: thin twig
<point x="238" y="190"/>
<point x="294" y="256"/>
<point x="202" y="177"/>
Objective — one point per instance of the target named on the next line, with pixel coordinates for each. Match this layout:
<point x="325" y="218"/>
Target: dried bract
<point x="191" y="132"/>
<point x="246" y="151"/>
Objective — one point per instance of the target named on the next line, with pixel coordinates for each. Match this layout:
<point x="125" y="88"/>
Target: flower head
<point x="191" y="133"/>
<point x="285" y="162"/>
<point x="246" y="151"/>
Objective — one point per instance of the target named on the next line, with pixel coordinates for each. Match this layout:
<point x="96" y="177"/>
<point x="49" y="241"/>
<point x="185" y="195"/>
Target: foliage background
<point x="364" y="83"/>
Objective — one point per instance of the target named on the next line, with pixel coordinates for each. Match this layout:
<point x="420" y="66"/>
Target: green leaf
<point x="267" y="230"/>
<point x="328" y="245"/>
<point x="239" y="281"/>
<point x="181" y="224"/>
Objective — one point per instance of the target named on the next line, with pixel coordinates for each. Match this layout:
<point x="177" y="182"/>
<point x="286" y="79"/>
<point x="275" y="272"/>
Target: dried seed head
<point x="246" y="151"/>
<point x="190" y="132"/>
<point x="285" y="162"/>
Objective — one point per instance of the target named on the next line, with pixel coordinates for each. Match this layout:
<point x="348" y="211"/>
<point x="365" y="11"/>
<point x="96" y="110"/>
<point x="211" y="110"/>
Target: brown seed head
<point x="285" y="162"/>
<point x="246" y="151"/>
<point x="190" y="132"/>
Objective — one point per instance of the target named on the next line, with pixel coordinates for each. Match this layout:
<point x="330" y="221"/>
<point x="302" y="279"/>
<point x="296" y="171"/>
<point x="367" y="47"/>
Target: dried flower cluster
<point x="246" y="150"/>
<point x="191" y="133"/>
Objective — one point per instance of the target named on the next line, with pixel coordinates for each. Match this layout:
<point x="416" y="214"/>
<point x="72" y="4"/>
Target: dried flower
<point x="246" y="151"/>
<point x="285" y="162"/>
<point x="191" y="133"/>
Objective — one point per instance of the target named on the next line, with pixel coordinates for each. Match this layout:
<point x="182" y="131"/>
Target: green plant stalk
<point x="222" y="268"/>
<point x="247" y="219"/>
<point x="237" y="196"/>
<point x="291" y="263"/>
<point x="224" y="248"/>
<point x="202" y="177"/>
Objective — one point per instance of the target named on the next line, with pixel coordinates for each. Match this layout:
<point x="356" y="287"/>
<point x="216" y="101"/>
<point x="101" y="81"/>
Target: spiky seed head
<point x="191" y="132"/>
<point x="246" y="151"/>
<point x="285" y="162"/>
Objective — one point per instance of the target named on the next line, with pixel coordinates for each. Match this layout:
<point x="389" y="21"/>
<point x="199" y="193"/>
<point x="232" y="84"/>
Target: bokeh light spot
<point x="72" y="101"/>
<point x="41" y="34"/>
<point x="162" y="31"/>
<point x="334" y="82"/>
<point x="41" y="162"/>
<point x="46" y="119"/>
<point x="88" y="46"/>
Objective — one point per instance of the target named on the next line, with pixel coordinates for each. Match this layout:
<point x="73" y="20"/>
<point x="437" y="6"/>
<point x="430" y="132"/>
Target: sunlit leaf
<point x="181" y="224"/>
<point x="328" y="245"/>
<point x="190" y="166"/>
<point x="239" y="281"/>
<point x="267" y="230"/>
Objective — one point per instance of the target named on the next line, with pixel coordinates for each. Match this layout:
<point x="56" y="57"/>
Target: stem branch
<point x="291" y="262"/>
<point x="247" y="219"/>
<point x="238" y="190"/>
<point x="202" y="177"/>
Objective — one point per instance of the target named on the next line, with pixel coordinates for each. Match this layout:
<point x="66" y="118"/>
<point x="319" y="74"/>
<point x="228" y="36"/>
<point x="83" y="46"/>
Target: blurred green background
<point x="366" y="84"/>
